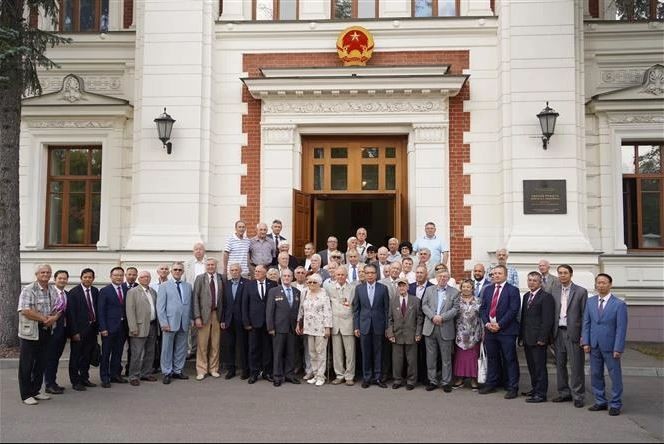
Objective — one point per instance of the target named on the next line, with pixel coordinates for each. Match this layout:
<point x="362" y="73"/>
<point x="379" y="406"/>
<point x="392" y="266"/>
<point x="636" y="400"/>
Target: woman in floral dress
<point x="315" y="320"/>
<point x="468" y="336"/>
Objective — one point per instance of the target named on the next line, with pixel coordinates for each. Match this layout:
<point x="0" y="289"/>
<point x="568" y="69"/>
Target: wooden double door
<point x="347" y="183"/>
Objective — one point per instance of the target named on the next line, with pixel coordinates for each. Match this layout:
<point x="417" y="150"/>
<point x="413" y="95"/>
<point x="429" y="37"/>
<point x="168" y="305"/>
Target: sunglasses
<point x="178" y="269"/>
<point x="312" y="282"/>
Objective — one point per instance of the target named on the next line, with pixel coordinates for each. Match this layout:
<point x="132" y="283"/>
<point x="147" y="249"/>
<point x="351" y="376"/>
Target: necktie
<point x="530" y="299"/>
<point x="262" y="291"/>
<point x="601" y="307"/>
<point x="276" y="241"/>
<point x="404" y="308"/>
<point x="64" y="300"/>
<point x="354" y="273"/>
<point x="477" y="288"/>
<point x="119" y="294"/>
<point x="179" y="291"/>
<point x="91" y="312"/>
<point x="370" y="292"/>
<point x="563" y="302"/>
<point x="234" y="289"/>
<point x="290" y="296"/>
<point x="494" y="302"/>
<point x="543" y="280"/>
<point x="213" y="294"/>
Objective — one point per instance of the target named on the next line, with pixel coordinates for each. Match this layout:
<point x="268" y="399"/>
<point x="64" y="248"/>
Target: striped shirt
<point x="238" y="252"/>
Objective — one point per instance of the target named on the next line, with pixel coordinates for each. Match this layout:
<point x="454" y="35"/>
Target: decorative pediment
<point x="651" y="87"/>
<point x="73" y="93"/>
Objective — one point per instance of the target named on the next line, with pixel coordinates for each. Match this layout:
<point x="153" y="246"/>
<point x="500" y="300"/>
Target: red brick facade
<point x="128" y="13"/>
<point x="459" y="122"/>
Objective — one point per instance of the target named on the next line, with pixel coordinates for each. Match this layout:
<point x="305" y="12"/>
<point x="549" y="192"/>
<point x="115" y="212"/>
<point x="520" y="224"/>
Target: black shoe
<point x="535" y="400"/>
<point x="431" y="387"/>
<point x="167" y="379"/>
<point x="89" y="384"/>
<point x="277" y="383"/>
<point x="106" y="385"/>
<point x="578" y="403"/>
<point x="79" y="387"/>
<point x="253" y="379"/>
<point x="180" y="376"/>
<point x="397" y="385"/>
<point x="598" y="408"/>
<point x="562" y="399"/>
<point x="614" y="411"/>
<point x="119" y="380"/>
<point x="447" y="388"/>
<point x="54" y="390"/>
<point x="244" y="376"/>
<point x="381" y="384"/>
<point x="230" y="375"/>
<point x="293" y="381"/>
<point x="511" y="394"/>
<point x="365" y="384"/>
<point x="529" y="394"/>
<point x="486" y="390"/>
<point x="410" y="387"/>
<point x="268" y="377"/>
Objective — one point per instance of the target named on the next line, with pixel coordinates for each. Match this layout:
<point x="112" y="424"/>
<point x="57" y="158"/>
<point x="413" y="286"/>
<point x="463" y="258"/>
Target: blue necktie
<point x="234" y="289"/>
<point x="477" y="288"/>
<point x="370" y="292"/>
<point x="354" y="273"/>
<point x="179" y="291"/>
<point x="290" y="296"/>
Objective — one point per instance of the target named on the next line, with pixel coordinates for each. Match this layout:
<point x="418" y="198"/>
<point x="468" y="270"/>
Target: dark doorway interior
<point x="341" y="217"/>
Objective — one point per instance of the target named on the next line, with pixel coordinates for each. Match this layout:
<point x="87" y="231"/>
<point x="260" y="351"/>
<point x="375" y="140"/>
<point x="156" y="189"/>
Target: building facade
<point x="440" y="125"/>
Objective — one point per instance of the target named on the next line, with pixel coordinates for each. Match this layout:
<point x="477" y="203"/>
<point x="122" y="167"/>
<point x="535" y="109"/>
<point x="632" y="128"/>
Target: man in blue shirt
<point x="439" y="251"/>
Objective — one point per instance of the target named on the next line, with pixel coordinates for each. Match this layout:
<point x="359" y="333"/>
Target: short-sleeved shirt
<point x="261" y="251"/>
<point x="435" y="245"/>
<point x="33" y="297"/>
<point x="238" y="252"/>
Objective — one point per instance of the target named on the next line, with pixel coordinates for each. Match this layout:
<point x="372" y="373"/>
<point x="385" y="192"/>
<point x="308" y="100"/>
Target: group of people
<point x="394" y="310"/>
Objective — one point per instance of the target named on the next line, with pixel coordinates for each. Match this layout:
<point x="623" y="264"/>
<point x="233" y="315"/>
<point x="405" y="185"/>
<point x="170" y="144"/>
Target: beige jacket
<point x="342" y="307"/>
<point x="139" y="312"/>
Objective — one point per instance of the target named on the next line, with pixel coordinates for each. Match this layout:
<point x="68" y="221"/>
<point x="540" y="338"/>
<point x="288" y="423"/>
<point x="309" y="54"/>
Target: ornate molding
<point x="104" y="84"/>
<point x="426" y="133"/>
<point x="53" y="124"/>
<point x="278" y="134"/>
<point x="622" y="76"/>
<point x="653" y="80"/>
<point x="639" y="118"/>
<point x="372" y="106"/>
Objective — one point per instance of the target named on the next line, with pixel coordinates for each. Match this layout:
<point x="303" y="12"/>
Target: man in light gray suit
<point x="394" y="272"/>
<point x="174" y="310"/>
<point x="405" y="332"/>
<point x="141" y="306"/>
<point x="570" y="303"/>
<point x="341" y="294"/>
<point x="549" y="281"/>
<point x="440" y="306"/>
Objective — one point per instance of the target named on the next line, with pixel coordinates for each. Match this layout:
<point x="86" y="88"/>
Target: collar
<point x="145" y="289"/>
<point x="287" y="287"/>
<point x="430" y="238"/>
<point x="261" y="282"/>
<point x="534" y="293"/>
<point x="438" y="287"/>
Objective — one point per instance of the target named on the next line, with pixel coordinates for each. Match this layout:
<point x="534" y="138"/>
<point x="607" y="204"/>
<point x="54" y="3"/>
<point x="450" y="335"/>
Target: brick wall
<point x="459" y="122"/>
<point x="128" y="13"/>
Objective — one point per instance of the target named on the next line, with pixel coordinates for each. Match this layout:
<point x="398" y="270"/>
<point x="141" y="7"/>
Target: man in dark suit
<point x="570" y="302"/>
<point x="83" y="328"/>
<point x="283" y="305"/>
<point x="480" y="279"/>
<point x="499" y="312"/>
<point x="234" y="336"/>
<point x="603" y="336"/>
<point x="276" y="236"/>
<point x="421" y="283"/>
<point x="371" y="307"/>
<point x="284" y="247"/>
<point x="332" y="245"/>
<point x="59" y="337"/>
<point x="536" y="323"/>
<point x="253" y="317"/>
<point x="112" y="320"/>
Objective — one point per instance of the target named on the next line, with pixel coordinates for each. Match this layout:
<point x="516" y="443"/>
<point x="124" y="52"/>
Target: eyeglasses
<point x="178" y="269"/>
<point x="312" y="282"/>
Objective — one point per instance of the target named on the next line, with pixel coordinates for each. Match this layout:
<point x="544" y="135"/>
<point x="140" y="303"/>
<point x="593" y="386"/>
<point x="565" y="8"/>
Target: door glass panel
<point x="96" y="163"/>
<point x="370" y="153"/>
<point x="339" y="153"/>
<point x="56" y="187"/>
<point x="55" y="219"/>
<point x="650" y="160"/>
<point x="78" y="162"/>
<point x="103" y="20"/>
<point x="369" y="177"/>
<point x="287" y="9"/>
<point x="366" y="8"/>
<point x="68" y="16"/>
<point x="76" y="219"/>
<point x="339" y="177"/>
<point x="87" y="16"/>
<point x="96" y="211"/>
<point x="343" y="9"/>
<point x="319" y="153"/>
<point x="264" y="9"/>
<point x="628" y="160"/>
<point x="58" y="162"/>
<point x="423" y="8"/>
<point x="651" y="206"/>
<point x="446" y="8"/>
<point x="390" y="177"/>
<point x="319" y="177"/>
<point x="77" y="186"/>
<point x="391" y="153"/>
<point x="96" y="186"/>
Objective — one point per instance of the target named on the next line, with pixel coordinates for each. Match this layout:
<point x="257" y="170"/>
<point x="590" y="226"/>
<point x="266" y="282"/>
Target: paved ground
<point x="218" y="410"/>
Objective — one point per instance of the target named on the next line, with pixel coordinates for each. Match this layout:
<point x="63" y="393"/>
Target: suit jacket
<point x="366" y="316"/>
<point x="606" y="332"/>
<point x="139" y="311"/>
<point x="232" y="308"/>
<point x="412" y="288"/>
<point x="507" y="311"/>
<point x="279" y="316"/>
<point x="126" y="287"/>
<point x="273" y="237"/>
<point x="172" y="309"/>
<point x="78" y="321"/>
<point x="484" y="283"/>
<point x="404" y="329"/>
<point x="111" y="314"/>
<point x="253" y="308"/>
<point x="323" y="257"/>
<point x="190" y="270"/>
<point x="551" y="283"/>
<point x="391" y="287"/>
<point x="536" y="320"/>
<point x="203" y="299"/>
<point x="341" y="301"/>
<point x="292" y="262"/>
<point x="383" y="270"/>
<point x="449" y="311"/>
<point x="576" y="305"/>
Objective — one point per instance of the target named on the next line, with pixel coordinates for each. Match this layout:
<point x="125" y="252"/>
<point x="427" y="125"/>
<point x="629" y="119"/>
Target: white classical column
<point x="431" y="188"/>
<point x="173" y="69"/>
<point x="541" y="61"/>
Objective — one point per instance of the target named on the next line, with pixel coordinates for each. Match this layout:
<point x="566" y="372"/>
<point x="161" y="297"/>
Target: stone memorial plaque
<point x="544" y="197"/>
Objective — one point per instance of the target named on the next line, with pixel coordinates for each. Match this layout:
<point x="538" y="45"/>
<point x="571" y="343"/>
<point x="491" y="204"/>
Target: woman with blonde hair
<point x="315" y="321"/>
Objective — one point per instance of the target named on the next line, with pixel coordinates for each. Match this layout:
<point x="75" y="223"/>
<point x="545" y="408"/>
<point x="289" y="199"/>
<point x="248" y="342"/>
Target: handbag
<point x="481" y="365"/>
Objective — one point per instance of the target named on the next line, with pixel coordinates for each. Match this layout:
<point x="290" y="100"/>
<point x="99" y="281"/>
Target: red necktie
<point x="120" y="295"/>
<point x="213" y="294"/>
<point x="403" y="307"/>
<point x="91" y="312"/>
<point x="494" y="302"/>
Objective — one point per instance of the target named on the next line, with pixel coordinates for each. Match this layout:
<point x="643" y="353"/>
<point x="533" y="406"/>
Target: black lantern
<point x="164" y="127"/>
<point x="547" y="118"/>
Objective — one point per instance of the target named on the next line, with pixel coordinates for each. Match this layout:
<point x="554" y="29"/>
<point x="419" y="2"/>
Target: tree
<point x="22" y="52"/>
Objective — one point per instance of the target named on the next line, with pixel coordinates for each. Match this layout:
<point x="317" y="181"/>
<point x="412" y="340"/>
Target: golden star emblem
<point x="355" y="36"/>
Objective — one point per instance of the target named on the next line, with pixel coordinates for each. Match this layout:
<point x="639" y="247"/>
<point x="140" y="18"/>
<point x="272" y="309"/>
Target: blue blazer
<point x="412" y="288"/>
<point x="507" y="311"/>
<point x="173" y="310"/>
<point x="365" y="316"/>
<point x="607" y="332"/>
<point x="110" y="312"/>
<point x="232" y="309"/>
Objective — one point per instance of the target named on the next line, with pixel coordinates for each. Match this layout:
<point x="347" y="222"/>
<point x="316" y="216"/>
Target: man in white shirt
<point x="309" y="251"/>
<point x="143" y="327"/>
<point x="393" y="250"/>
<point x="353" y="258"/>
<point x="362" y="243"/>
<point x="383" y="264"/>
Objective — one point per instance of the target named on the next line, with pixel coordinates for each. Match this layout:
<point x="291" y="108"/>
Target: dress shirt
<point x="87" y="291"/>
<point x="442" y="296"/>
<point x="307" y="264"/>
<point x="153" y="312"/>
<point x="261" y="251"/>
<point x="434" y="244"/>
<point x="500" y="292"/>
<point x="371" y="288"/>
<point x="235" y="283"/>
<point x="564" y="297"/>
<point x="396" y="257"/>
<point x="419" y="291"/>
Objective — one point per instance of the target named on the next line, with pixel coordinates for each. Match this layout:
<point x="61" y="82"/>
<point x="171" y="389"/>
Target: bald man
<point x="143" y="326"/>
<point x="261" y="249"/>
